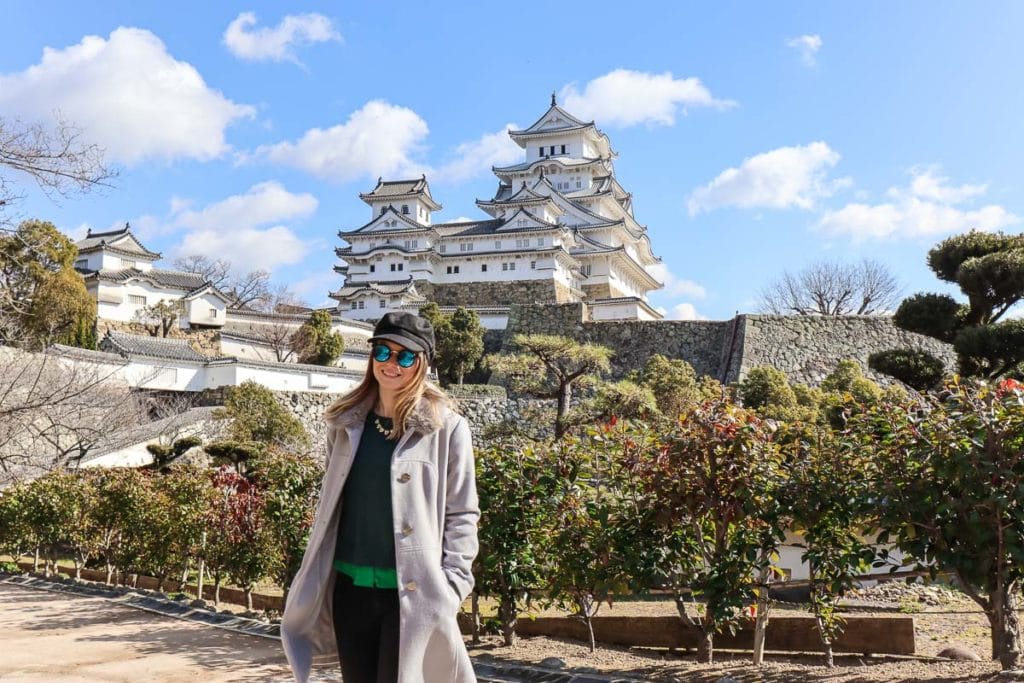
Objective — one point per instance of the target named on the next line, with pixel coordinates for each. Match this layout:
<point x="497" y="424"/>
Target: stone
<point x="553" y="663"/>
<point x="960" y="653"/>
<point x="727" y="679"/>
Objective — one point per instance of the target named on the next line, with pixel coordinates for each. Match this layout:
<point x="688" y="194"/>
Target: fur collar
<point x="424" y="418"/>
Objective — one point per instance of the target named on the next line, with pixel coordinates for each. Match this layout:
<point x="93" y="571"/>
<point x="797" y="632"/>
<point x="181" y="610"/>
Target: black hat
<point x="411" y="331"/>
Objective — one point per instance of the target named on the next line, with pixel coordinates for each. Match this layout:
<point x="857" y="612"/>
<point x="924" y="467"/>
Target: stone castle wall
<point x="490" y="293"/>
<point x="806" y="348"/>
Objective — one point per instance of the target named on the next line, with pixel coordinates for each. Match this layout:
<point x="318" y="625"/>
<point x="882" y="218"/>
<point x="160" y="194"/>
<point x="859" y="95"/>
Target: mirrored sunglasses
<point x="405" y="358"/>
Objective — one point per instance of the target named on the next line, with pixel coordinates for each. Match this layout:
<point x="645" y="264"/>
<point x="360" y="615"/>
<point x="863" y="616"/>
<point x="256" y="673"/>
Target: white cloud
<point x="675" y="286"/>
<point x="235" y="229"/>
<point x="627" y="98"/>
<point x="246" y="248"/>
<point x="128" y="95"/>
<point x="685" y="311"/>
<point x="474" y="158"/>
<point x="261" y="204"/>
<point x="807" y="46"/>
<point x="277" y="44"/>
<point x="779" y="179"/>
<point x="927" y="206"/>
<point x="926" y="183"/>
<point x="377" y="140"/>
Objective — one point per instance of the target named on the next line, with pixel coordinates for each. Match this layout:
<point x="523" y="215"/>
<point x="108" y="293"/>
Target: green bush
<point x="918" y="369"/>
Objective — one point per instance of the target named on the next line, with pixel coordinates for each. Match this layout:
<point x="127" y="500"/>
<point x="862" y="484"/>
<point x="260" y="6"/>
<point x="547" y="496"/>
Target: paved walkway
<point x="60" y="638"/>
<point x="57" y="633"/>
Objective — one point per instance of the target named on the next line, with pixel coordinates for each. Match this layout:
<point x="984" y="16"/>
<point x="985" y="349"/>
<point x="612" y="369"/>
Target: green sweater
<point x="366" y="538"/>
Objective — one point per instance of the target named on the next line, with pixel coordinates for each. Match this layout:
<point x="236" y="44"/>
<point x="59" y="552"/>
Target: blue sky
<point x="755" y="137"/>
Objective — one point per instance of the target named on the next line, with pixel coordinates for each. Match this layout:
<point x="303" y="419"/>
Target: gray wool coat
<point x="435" y="512"/>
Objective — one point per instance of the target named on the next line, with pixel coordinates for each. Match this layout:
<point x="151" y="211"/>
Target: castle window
<point x="136" y="300"/>
<point x="586" y="270"/>
<point x="540" y="150"/>
<point x="563" y="149"/>
<point x="552" y="149"/>
<point x="353" y="305"/>
<point x="405" y="209"/>
<point x="466" y="246"/>
<point x="522" y="244"/>
<point x="213" y="313"/>
<point x="444" y="248"/>
<point x="540" y="241"/>
<point x="383" y="303"/>
<point x="359" y="305"/>
<point x="452" y="270"/>
<point x="127" y="263"/>
<point x="81" y="263"/>
<point x="483" y="267"/>
<point x="510" y="265"/>
<point x="373" y="268"/>
<point x="579" y="184"/>
<point x="533" y="265"/>
<point x="497" y="244"/>
<point x="521" y="223"/>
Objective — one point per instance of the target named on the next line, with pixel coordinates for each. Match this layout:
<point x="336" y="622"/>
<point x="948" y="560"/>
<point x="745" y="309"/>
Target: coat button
<point x="404" y="478"/>
<point x="410" y="586"/>
<point x="406" y="530"/>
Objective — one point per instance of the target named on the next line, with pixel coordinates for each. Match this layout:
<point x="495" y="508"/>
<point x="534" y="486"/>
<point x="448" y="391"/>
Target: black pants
<point x="366" y="624"/>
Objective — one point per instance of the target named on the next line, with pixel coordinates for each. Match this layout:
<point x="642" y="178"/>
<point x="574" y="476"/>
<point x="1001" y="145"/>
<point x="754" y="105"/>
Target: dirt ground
<point x="942" y="618"/>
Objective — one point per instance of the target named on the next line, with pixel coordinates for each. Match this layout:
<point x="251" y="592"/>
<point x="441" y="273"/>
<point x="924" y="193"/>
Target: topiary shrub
<point x="918" y="369"/>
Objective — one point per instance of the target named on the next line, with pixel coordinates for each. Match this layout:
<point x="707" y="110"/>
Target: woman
<point x="389" y="557"/>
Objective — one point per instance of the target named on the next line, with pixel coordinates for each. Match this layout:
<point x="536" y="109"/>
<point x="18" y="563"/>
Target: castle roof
<point x="350" y="291"/>
<point x="129" y="345"/>
<point x="408" y="225"/>
<point x="120" y="241"/>
<point x="385" y="190"/>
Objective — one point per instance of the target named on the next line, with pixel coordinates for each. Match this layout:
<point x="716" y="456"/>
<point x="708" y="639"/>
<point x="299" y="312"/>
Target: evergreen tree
<point x="989" y="270"/>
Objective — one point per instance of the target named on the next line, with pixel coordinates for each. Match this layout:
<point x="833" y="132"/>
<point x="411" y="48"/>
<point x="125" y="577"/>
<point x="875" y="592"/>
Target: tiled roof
<point x="126" y="242"/>
<point x="394" y="189"/>
<point x="541" y="125"/>
<point x="167" y="278"/>
<point x="128" y="345"/>
<point x="387" y="288"/>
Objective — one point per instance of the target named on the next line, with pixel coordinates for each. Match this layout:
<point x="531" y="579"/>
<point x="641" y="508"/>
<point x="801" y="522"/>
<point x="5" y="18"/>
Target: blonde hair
<point x="406" y="400"/>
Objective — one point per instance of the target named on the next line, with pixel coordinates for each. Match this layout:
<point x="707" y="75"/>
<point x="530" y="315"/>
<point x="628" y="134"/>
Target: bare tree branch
<point x="831" y="288"/>
<point x="54" y="157"/>
<point x="251" y="290"/>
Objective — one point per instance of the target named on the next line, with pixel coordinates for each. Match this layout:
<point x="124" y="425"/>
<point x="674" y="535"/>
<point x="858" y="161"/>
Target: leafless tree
<point x="278" y="331"/>
<point x="55" y="157"/>
<point x="251" y="290"/>
<point x="216" y="271"/>
<point x="831" y="288"/>
<point x="54" y="411"/>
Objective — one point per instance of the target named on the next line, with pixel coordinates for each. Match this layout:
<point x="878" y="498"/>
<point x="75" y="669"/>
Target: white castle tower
<point x="561" y="229"/>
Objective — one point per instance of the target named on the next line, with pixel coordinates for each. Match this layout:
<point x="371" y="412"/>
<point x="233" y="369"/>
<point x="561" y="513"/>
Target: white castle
<point x="561" y="229"/>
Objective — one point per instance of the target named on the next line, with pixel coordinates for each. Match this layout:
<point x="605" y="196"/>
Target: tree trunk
<point x="110" y="574"/>
<point x="564" y="396"/>
<point x="216" y="591"/>
<point x="761" y="616"/>
<point x="1005" y="625"/>
<point x="706" y="646"/>
<point x="507" y="610"/>
<point x="248" y="598"/>
<point x="35" y="561"/>
<point x="475" y="606"/>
